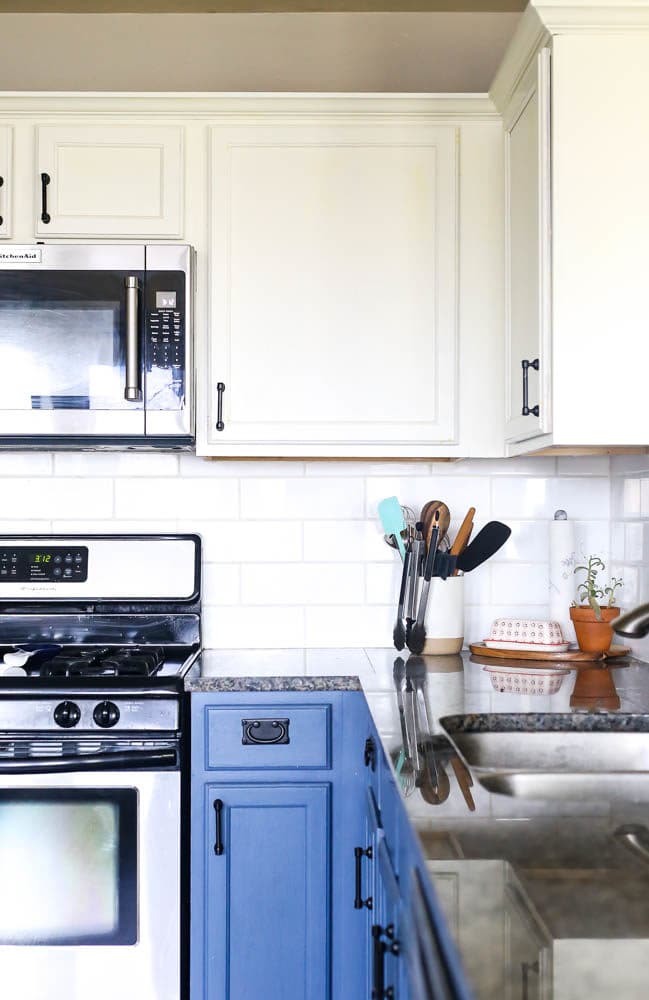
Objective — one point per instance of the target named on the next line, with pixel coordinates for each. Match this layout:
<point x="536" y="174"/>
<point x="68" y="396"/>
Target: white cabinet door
<point x="333" y="271"/>
<point x="527" y="217"/>
<point x="528" y="955"/>
<point x="109" y="180"/>
<point x="5" y="181"/>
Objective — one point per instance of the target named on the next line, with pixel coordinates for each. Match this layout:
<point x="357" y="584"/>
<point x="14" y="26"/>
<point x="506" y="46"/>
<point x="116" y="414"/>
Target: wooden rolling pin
<point x="463" y="535"/>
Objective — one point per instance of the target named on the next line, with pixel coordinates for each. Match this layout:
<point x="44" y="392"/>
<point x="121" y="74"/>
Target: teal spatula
<point x="392" y="520"/>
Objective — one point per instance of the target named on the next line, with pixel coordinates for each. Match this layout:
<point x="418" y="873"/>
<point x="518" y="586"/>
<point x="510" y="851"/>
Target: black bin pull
<point x="45" y="216"/>
<point x="220" y="388"/>
<point x="359" y="902"/>
<point x="265" y="732"/>
<point x="218" y="839"/>
<point x="527" y="409"/>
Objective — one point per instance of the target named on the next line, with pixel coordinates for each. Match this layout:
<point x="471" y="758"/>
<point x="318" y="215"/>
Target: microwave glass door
<point x="68" y="867"/>
<point x="63" y="352"/>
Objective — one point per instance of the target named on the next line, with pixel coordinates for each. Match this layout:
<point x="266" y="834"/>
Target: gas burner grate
<point x="106" y="662"/>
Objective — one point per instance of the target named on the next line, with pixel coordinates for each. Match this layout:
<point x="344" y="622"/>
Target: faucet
<point x="634" y="624"/>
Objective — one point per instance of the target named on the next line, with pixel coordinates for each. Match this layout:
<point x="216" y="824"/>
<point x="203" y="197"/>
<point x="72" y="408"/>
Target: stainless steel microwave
<point x="96" y="346"/>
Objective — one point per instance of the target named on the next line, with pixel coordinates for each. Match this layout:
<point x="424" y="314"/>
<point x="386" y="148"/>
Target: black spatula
<point x="485" y="544"/>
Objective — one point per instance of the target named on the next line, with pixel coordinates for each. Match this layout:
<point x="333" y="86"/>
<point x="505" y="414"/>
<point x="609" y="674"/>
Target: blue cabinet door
<point x="266" y="893"/>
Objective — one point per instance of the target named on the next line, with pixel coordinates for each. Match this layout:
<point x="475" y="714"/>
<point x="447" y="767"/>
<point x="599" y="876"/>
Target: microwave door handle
<point x="89" y="762"/>
<point x="132" y="387"/>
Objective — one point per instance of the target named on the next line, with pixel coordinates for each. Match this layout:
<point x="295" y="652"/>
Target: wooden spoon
<point x="428" y="517"/>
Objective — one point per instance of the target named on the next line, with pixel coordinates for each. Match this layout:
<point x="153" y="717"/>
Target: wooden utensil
<point x="427" y="517"/>
<point x="463" y="535"/>
<point x="464" y="780"/>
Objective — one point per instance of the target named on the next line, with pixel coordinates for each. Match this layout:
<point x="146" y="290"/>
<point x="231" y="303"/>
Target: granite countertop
<point x="578" y="881"/>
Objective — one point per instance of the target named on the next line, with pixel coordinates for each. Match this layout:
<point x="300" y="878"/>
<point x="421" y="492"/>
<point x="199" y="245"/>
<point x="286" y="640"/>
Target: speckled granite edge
<point x="334" y="683"/>
<point x="533" y="722"/>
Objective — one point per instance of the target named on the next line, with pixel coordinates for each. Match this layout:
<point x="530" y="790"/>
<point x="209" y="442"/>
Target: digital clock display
<point x="58" y="564"/>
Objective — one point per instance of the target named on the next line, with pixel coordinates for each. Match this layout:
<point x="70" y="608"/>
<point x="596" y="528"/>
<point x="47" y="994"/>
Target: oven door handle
<point x="132" y="387"/>
<point x="129" y="759"/>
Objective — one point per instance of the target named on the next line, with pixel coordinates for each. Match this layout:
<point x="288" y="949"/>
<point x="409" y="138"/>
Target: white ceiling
<point x="371" y="52"/>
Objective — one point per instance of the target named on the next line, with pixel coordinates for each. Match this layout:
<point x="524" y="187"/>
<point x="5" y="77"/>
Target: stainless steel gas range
<point x="95" y="634"/>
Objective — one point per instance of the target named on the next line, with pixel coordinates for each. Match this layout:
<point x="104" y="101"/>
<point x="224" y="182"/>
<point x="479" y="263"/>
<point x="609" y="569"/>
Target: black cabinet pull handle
<point x="45" y="216"/>
<point x="359" y="902"/>
<point x="378" y="965"/>
<point x="526" y="968"/>
<point x="218" y="840"/>
<point x="220" y="388"/>
<point x="2" y="180"/>
<point x="369" y="753"/>
<point x="379" y="951"/>
<point x="527" y="410"/>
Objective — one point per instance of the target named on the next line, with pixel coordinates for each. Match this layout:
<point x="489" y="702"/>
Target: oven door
<point x="90" y="885"/>
<point x="70" y="342"/>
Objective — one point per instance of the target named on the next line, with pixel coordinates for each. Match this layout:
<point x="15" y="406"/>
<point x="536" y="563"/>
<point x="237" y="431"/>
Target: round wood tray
<point x="570" y="656"/>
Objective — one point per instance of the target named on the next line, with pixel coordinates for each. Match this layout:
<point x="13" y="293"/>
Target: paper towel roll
<point x="563" y="583"/>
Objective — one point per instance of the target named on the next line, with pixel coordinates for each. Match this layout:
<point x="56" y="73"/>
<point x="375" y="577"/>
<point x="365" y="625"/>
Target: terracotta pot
<point x="593" y="636"/>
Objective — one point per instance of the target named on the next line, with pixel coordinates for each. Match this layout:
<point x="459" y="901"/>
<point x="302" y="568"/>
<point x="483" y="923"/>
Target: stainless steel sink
<point x="555" y="755"/>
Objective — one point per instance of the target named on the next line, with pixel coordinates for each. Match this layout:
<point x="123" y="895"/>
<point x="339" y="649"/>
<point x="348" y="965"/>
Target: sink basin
<point x="539" y="755"/>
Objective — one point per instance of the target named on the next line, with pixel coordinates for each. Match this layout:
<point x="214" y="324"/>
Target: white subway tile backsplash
<point x="53" y="498"/>
<point x="293" y="551"/>
<point x="346" y="541"/>
<point x="254" y="627"/>
<point x="25" y="463"/>
<point x="584" y="465"/>
<point x="221" y="584"/>
<point x="362" y="625"/>
<point x="522" y="583"/>
<point x="382" y="582"/>
<point x="539" y="497"/>
<point x="162" y="498"/>
<point x="127" y="463"/>
<point x="303" y="583"/>
<point x="217" y="468"/>
<point x="302" y="499"/>
<point x="458" y="492"/>
<point x="249" y="541"/>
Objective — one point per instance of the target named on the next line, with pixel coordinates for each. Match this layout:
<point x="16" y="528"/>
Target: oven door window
<point x="63" y="341"/>
<point x="68" y="867"/>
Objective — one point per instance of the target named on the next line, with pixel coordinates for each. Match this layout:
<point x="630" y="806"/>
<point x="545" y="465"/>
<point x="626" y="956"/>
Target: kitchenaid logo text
<point x="39" y="590"/>
<point x="19" y="256"/>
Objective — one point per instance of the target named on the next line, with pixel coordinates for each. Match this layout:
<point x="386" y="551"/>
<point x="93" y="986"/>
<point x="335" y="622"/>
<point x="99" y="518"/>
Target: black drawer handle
<point x="265" y="732"/>
<point x="527" y="410"/>
<point x="218" y="839"/>
<point x="45" y="216"/>
<point x="359" y="902"/>
<point x="380" y="949"/>
<point x="220" y="389"/>
<point x="2" y="180"/>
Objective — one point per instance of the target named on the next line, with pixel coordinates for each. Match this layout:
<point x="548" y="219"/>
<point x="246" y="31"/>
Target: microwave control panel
<point x="165" y="337"/>
<point x="45" y="564"/>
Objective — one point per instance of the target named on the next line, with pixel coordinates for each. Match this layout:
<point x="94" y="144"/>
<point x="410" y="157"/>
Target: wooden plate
<point x="571" y="655"/>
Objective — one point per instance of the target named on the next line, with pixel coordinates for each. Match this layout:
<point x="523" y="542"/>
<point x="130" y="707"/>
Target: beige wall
<point x="253" y="52"/>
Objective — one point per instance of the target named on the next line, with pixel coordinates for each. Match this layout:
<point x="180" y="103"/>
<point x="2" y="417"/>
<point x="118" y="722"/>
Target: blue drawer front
<point x="307" y="729"/>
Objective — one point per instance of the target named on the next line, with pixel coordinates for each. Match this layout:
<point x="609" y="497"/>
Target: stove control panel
<point x="45" y="564"/>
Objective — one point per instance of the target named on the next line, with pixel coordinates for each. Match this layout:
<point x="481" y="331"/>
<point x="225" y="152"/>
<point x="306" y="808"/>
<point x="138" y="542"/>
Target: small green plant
<point x="590" y="592"/>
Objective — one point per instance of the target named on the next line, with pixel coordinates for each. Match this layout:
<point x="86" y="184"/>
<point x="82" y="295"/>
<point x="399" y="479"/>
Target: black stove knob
<point x="106" y="714"/>
<point x="67" y="714"/>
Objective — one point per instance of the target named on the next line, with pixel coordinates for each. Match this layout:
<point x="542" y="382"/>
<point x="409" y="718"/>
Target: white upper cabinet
<point x="527" y="243"/>
<point x="104" y="180"/>
<point x="334" y="288"/>
<point x="577" y="239"/>
<point x="6" y="180"/>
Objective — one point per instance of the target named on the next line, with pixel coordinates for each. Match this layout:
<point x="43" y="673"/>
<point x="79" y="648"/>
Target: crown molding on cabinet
<point x="250" y="107"/>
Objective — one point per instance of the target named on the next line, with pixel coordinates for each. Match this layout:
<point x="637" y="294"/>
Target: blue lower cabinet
<point x="266" y="892"/>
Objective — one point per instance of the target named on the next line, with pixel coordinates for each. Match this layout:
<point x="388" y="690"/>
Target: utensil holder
<point x="445" y="616"/>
